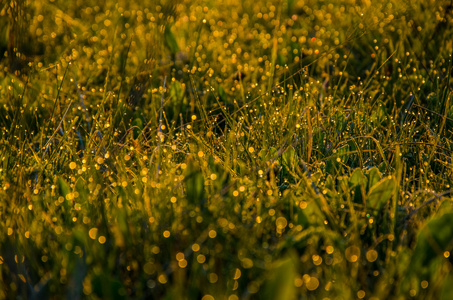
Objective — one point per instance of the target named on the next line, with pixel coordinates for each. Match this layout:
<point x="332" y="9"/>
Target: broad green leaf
<point x="316" y="177"/>
<point x="373" y="177"/>
<point x="343" y="184"/>
<point x="382" y="166"/>
<point x="447" y="289"/>
<point x="267" y="154"/>
<point x="80" y="237"/>
<point x="290" y="157"/>
<point x="301" y="218"/>
<point x="356" y="178"/>
<point x="434" y="239"/>
<point x="445" y="207"/>
<point x="281" y="283"/>
<point x="358" y="183"/>
<point x="330" y="182"/>
<point x="330" y="186"/>
<point x="262" y="154"/>
<point x="380" y="193"/>
<point x="272" y="153"/>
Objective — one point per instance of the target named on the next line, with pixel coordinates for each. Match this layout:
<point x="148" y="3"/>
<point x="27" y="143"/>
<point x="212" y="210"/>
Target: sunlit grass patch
<point x="181" y="149"/>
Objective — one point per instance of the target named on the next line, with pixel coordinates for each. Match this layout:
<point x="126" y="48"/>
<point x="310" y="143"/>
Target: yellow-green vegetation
<point x="209" y="149"/>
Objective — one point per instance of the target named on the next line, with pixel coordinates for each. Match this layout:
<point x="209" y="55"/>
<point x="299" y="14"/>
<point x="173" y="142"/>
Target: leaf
<point x="170" y="40"/>
<point x="281" y="283"/>
<point x="445" y="207"/>
<point x="447" y="289"/>
<point x="356" y="178"/>
<point x="222" y="94"/>
<point x="358" y="183"/>
<point x="268" y="154"/>
<point x="290" y="157"/>
<point x="79" y="237"/>
<point x="434" y="239"/>
<point x="273" y="153"/>
<point x="63" y="187"/>
<point x="330" y="182"/>
<point x="373" y="177"/>
<point x="380" y="193"/>
<point x="281" y="60"/>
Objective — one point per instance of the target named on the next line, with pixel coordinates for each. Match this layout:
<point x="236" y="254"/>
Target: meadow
<point x="175" y="149"/>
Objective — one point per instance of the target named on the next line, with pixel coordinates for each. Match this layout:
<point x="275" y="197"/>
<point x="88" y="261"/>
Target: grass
<point x="242" y="150"/>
